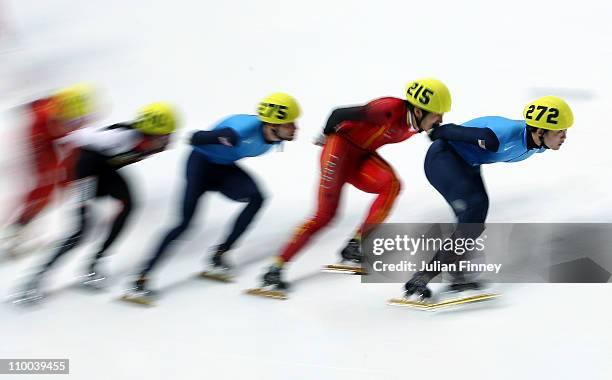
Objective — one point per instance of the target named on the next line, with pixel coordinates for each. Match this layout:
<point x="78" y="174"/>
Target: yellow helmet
<point x="278" y="108"/>
<point x="74" y="102"/>
<point x="156" y="119"/>
<point x="549" y="112"/>
<point x="429" y="94"/>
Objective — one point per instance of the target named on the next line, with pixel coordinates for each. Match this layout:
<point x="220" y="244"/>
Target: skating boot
<point x="417" y="289"/>
<point x="219" y="268"/>
<point x="352" y="252"/>
<point x="465" y="286"/>
<point x="30" y="294"/>
<point x="273" y="278"/>
<point x="94" y="279"/>
<point x="140" y="293"/>
<point x="351" y="259"/>
<point x="272" y="285"/>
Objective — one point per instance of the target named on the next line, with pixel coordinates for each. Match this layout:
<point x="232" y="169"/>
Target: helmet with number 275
<point x="278" y="108"/>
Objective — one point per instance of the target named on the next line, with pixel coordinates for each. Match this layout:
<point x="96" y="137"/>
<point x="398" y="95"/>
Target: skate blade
<point x="212" y="275"/>
<point x="343" y="268"/>
<point x="95" y="285"/>
<point x="276" y="294"/>
<point x="432" y="306"/>
<point x="143" y="301"/>
<point x="22" y="300"/>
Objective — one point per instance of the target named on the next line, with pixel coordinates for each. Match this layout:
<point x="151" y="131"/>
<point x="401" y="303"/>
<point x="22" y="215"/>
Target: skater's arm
<point x="225" y="136"/>
<point x="339" y="115"/>
<point x="379" y="111"/>
<point x="482" y="137"/>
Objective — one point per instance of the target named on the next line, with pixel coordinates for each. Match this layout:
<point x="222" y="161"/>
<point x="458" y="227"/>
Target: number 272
<point x="553" y="113"/>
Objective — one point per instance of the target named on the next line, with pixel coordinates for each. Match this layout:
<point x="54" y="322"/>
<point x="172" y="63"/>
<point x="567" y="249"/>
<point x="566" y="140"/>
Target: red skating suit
<point x="50" y="169"/>
<point x="349" y="156"/>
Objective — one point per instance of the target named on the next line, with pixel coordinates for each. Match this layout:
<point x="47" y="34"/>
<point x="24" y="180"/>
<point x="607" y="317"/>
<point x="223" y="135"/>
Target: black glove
<point x="193" y="140"/>
<point x="435" y="132"/>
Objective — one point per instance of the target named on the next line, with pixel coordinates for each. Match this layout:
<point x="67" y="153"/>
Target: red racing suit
<point x="349" y="156"/>
<point x="50" y="170"/>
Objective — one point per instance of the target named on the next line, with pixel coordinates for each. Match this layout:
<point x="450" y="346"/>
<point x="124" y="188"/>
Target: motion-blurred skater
<point x="53" y="118"/>
<point x="103" y="152"/>
<point x="353" y="135"/>
<point x="212" y="167"/>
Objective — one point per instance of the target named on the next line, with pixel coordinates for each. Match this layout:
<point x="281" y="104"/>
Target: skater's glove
<point x="435" y="132"/>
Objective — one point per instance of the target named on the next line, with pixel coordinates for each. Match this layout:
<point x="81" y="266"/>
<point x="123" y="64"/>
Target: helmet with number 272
<point x="549" y="112"/>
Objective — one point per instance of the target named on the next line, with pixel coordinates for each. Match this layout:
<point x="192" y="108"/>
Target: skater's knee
<point x="321" y="219"/>
<point x="256" y="199"/>
<point x="126" y="207"/>
<point x="394" y="187"/>
<point x="472" y="208"/>
<point x="180" y="229"/>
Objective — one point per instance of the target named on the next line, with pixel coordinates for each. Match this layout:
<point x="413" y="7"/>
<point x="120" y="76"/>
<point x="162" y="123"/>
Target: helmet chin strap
<point x="542" y="143"/>
<point x="414" y="121"/>
<point x="275" y="133"/>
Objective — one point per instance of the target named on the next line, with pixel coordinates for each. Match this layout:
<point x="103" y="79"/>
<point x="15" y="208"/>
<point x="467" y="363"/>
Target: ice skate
<point x="30" y="294"/>
<point x="219" y="269"/>
<point x="272" y="285"/>
<point x="416" y="294"/>
<point x="140" y="294"/>
<point x="94" y="279"/>
<point x="419" y="296"/>
<point x="350" y="262"/>
<point x="462" y="292"/>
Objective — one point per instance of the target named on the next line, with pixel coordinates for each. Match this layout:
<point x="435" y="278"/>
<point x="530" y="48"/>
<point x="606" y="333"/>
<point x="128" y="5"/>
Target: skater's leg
<point x="462" y="187"/>
<point x="336" y="158"/>
<point x="376" y="177"/>
<point x="239" y="186"/>
<point x="46" y="172"/>
<point x="85" y="188"/>
<point x="114" y="185"/>
<point x="71" y="241"/>
<point x="32" y="288"/>
<point x="196" y="185"/>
